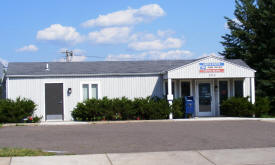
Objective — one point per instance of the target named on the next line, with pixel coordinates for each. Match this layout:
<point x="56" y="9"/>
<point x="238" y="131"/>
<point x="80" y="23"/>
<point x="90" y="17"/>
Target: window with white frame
<point x="94" y="93"/>
<point x="85" y="91"/>
<point x="89" y="91"/>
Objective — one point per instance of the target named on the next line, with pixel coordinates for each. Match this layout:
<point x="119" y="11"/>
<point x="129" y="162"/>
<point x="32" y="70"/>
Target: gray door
<point x="54" y="101"/>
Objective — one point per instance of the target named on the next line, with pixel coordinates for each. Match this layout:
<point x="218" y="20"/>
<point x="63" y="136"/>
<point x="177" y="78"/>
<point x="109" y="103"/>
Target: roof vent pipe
<point x="47" y="67"/>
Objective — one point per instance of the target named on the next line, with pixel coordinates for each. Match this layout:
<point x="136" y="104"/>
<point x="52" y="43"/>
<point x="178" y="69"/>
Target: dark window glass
<point x="223" y="90"/>
<point x="185" y="89"/>
<point x="204" y="97"/>
<point x="166" y="88"/>
<point x="238" y="88"/>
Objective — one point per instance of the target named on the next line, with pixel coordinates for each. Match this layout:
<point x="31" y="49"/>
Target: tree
<point x="252" y="38"/>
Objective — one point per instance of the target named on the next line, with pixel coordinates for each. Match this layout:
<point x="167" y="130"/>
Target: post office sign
<point x="211" y="67"/>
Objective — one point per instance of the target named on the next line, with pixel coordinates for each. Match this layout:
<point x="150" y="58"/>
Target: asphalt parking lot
<point x="141" y="137"/>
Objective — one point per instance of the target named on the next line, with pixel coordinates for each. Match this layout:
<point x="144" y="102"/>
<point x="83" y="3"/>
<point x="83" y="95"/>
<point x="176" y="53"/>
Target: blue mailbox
<point x="189" y="105"/>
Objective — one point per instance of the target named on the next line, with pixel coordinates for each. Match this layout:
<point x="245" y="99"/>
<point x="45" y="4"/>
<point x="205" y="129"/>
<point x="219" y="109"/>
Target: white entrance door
<point x="205" y="98"/>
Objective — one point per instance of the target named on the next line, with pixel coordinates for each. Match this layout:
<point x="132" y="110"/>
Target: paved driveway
<point x="142" y="137"/>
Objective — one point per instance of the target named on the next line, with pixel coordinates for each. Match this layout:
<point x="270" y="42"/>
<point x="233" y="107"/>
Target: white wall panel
<point x="111" y="86"/>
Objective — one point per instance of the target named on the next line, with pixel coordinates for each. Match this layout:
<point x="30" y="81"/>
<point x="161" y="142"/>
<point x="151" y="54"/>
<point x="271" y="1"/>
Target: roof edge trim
<point x="200" y="59"/>
<point x="85" y="75"/>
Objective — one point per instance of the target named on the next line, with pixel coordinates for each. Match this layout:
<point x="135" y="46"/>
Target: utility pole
<point x="69" y="55"/>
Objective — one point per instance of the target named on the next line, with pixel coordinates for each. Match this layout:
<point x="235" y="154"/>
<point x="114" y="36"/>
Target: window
<point x="89" y="91"/>
<point x="85" y="91"/>
<point x="185" y="89"/>
<point x="238" y="88"/>
<point x="223" y="90"/>
<point x="95" y="91"/>
<point x="166" y="88"/>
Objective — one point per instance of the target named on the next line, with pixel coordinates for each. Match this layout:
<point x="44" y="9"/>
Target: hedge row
<point x="242" y="107"/>
<point x="14" y="111"/>
<point x="126" y="109"/>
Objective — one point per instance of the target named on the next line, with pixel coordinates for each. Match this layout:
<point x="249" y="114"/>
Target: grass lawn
<point x="10" y="152"/>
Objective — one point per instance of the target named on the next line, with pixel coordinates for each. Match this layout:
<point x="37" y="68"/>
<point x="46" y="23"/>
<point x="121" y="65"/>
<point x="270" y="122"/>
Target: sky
<point x="97" y="30"/>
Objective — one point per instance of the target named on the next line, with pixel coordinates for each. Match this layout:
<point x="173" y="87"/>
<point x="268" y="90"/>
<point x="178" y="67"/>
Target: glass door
<point x="205" y="99"/>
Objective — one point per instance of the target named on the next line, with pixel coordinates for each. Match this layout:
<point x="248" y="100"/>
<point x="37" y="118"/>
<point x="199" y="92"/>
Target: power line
<point x="90" y="56"/>
<point x="69" y="54"/>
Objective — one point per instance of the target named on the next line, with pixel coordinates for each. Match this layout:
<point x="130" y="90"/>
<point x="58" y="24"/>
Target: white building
<point x="56" y="87"/>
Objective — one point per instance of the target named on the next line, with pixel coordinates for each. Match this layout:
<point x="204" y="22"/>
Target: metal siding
<point x="192" y="71"/>
<point x="111" y="86"/>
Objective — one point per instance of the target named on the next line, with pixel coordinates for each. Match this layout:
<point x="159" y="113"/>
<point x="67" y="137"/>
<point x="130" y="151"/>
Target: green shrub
<point x="159" y="108"/>
<point x="178" y="108"/>
<point x="105" y="109"/>
<point x="262" y="106"/>
<point x="86" y="111"/>
<point x="141" y="108"/>
<point x="122" y="109"/>
<point x="14" y="111"/>
<point x="237" y="107"/>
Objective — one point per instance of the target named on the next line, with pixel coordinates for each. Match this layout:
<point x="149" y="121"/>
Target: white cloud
<point x="143" y="36"/>
<point x="210" y="54"/>
<point x="110" y="35"/>
<point x="27" y="48"/>
<point x="156" y="44"/>
<point x="152" y="55"/>
<point x="4" y="62"/>
<point x="151" y="10"/>
<point x="126" y="57"/>
<point x="127" y="17"/>
<point x="137" y="41"/>
<point x="146" y="45"/>
<point x="124" y="17"/>
<point x="57" y="32"/>
<point x="172" y="43"/>
<point x="78" y="58"/>
<point x="172" y="54"/>
<point x="165" y="33"/>
<point x="79" y="52"/>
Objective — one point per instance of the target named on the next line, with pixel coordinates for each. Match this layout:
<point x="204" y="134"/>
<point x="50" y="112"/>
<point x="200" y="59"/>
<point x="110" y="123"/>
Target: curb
<point x="20" y="124"/>
<point x="49" y="123"/>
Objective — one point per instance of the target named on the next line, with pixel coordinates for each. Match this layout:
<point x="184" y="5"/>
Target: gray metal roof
<point x="97" y="68"/>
